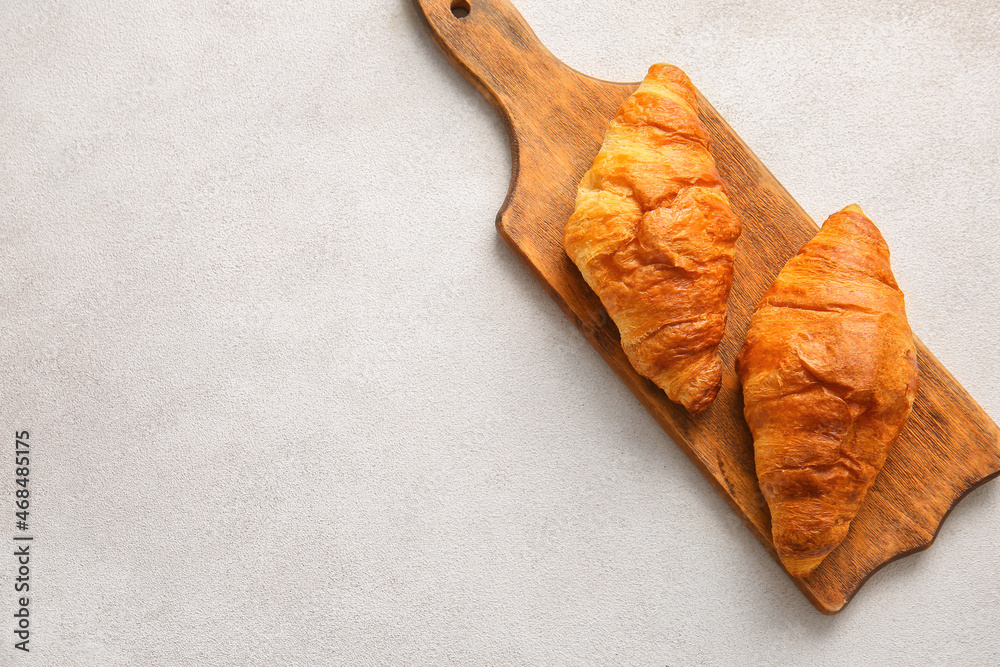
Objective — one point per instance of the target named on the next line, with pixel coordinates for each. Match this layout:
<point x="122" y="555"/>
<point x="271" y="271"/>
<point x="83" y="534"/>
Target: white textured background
<point x="291" y="401"/>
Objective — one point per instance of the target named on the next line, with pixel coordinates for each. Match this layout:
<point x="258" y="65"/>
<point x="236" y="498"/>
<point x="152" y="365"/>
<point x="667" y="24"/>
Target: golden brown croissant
<point x="829" y="374"/>
<point x="653" y="236"/>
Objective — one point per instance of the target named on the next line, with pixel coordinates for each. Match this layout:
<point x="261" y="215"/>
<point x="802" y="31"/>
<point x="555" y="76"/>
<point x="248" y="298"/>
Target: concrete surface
<point x="291" y="401"/>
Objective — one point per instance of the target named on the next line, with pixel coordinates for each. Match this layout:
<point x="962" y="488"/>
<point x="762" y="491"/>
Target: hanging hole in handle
<point x="460" y="8"/>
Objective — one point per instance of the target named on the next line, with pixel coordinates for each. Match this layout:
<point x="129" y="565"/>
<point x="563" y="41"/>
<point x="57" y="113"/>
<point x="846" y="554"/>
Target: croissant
<point x="829" y="374"/>
<point x="653" y="235"/>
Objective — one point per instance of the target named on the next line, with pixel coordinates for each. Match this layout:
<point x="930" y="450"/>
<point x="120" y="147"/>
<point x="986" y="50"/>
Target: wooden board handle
<point x="462" y="28"/>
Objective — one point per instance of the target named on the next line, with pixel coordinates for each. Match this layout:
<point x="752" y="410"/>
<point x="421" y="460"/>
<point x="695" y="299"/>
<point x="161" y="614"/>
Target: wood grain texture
<point x="556" y="118"/>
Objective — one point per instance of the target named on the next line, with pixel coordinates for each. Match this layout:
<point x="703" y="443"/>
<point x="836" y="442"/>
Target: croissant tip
<point x="697" y="404"/>
<point x="801" y="567"/>
<point x="657" y="68"/>
<point x="702" y="387"/>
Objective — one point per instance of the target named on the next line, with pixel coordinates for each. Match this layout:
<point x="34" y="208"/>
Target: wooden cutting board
<point x="556" y="118"/>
